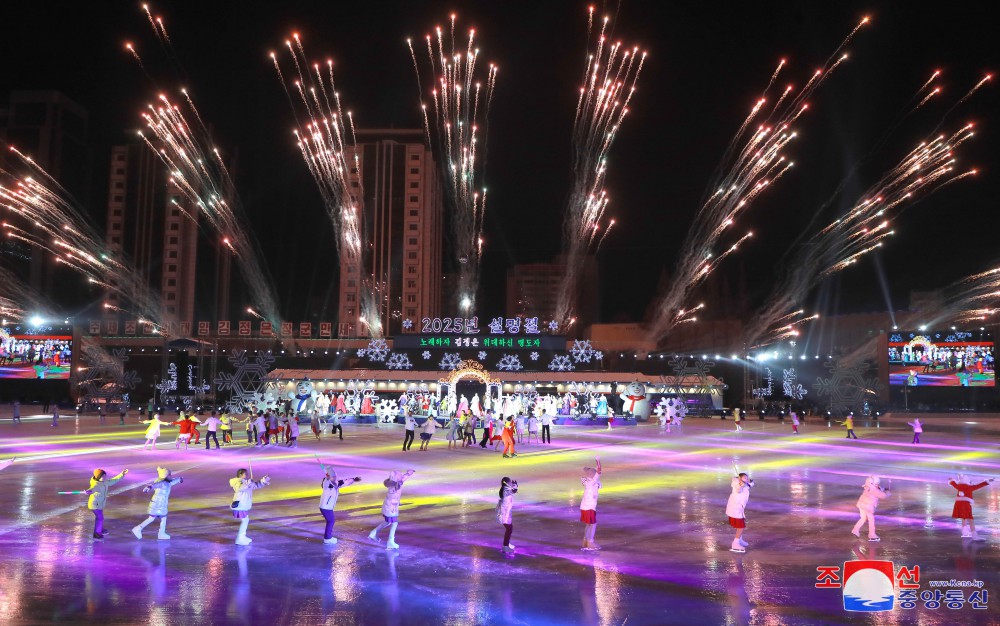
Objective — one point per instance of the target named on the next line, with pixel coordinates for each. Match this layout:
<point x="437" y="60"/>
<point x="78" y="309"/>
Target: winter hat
<point x="871" y="481"/>
<point x="162" y="473"/>
<point x="963" y="479"/>
<point x="589" y="472"/>
<point x="99" y="474"/>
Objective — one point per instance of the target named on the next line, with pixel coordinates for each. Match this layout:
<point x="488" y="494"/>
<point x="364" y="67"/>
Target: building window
<point x="349" y="297"/>
<point x="119" y="171"/>
<point x="412" y="284"/>
<point x="116" y="226"/>
<point x="411" y="269"/>
<point x="414" y="157"/>
<point x="172" y="310"/>
<point x="412" y="256"/>
<point x="414" y="226"/>
<point x="116" y="213"/>
<point x="171" y="296"/>
<point x="411" y="313"/>
<point x="119" y="184"/>
<point x="175" y="226"/>
<point x="171" y="282"/>
<point x="172" y="241"/>
<point x="172" y="254"/>
<point x="412" y="241"/>
<point x="352" y="283"/>
<point x="414" y="185"/>
<point x="414" y="213"/>
<point x="411" y="298"/>
<point x="175" y="212"/>
<point x="117" y="198"/>
<point x="414" y="170"/>
<point x="116" y="240"/>
<point x="414" y="198"/>
<point x="171" y="268"/>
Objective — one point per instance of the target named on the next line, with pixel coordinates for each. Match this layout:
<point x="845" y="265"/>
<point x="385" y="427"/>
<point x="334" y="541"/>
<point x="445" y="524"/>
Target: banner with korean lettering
<point x="326" y="329"/>
<point x="204" y="328"/>
<point x="244" y="328"/>
<point x="130" y="327"/>
<point x="112" y="327"/>
<point x="223" y="328"/>
<point x="305" y="329"/>
<point x="286" y="329"/>
<point x="266" y="329"/>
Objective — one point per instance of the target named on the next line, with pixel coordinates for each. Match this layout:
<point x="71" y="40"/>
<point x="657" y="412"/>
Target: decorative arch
<point x="476" y="371"/>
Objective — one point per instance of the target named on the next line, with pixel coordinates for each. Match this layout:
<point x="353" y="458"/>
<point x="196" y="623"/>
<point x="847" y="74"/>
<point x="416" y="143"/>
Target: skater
<point x="917" y="429"/>
<point x="588" y="504"/>
<point x="158" y="505"/>
<point x="736" y="509"/>
<point x="532" y="428"/>
<point x="184" y="427"/>
<point x="293" y="430"/>
<point x="505" y="508"/>
<point x="55" y="414"/>
<point x="226" y="426"/>
<point x="428" y="431"/>
<point x="737" y="416"/>
<point x="546" y="427"/>
<point x="867" y="504"/>
<point x="507" y="436"/>
<point x="849" y="423"/>
<point x="260" y="429"/>
<point x="328" y="499"/>
<point x="98" y="493"/>
<point x="469" y="430"/>
<point x="390" y="508"/>
<point x="273" y="430"/>
<point x="314" y="425"/>
<point x="153" y="431"/>
<point x="243" y="487"/>
<point x="287" y="426"/>
<point x="122" y="410"/>
<point x="16" y="415"/>
<point x="102" y="414"/>
<point x="519" y="422"/>
<point x="336" y="427"/>
<point x="410" y="426"/>
<point x="452" y="435"/>
<point x="795" y="422"/>
<point x="195" y="434"/>
<point x="211" y="427"/>
<point x="963" y="504"/>
<point x="488" y="427"/>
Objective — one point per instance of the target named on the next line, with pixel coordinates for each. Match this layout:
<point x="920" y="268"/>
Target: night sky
<point x="707" y="64"/>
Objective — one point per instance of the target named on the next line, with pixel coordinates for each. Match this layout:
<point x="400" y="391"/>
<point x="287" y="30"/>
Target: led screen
<point x="37" y="352"/>
<point x="941" y="359"/>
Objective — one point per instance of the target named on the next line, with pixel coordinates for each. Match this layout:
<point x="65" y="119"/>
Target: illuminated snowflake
<point x="790" y="385"/>
<point x="450" y="361"/>
<point x="247" y="383"/>
<point x="553" y="326"/>
<point x="426" y="354"/>
<point x="482" y="355"/>
<point x="407" y="323"/>
<point x="692" y="379"/>
<point x="561" y="363"/>
<point x="386" y="409"/>
<point x="582" y="351"/>
<point x="377" y="350"/>
<point x="509" y="363"/>
<point x="598" y="355"/>
<point x="361" y="351"/>
<point x="848" y="387"/>
<point x="534" y="356"/>
<point x="399" y="361"/>
<point x="105" y="376"/>
<point x="768" y="389"/>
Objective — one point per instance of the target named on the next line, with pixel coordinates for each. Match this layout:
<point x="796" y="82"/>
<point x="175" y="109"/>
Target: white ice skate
<point x="373" y="537"/>
<point x="966" y="534"/>
<point x="742" y="542"/>
<point x="392" y="545"/>
<point x="163" y="536"/>
<point x="243" y="540"/>
<point x="137" y="531"/>
<point x="508" y="549"/>
<point x="737" y="546"/>
<point x="875" y="538"/>
<point x="331" y="541"/>
<point x="856" y="534"/>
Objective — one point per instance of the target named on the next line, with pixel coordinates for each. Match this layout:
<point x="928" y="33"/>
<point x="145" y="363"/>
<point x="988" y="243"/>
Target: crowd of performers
<point x="50" y="352"/>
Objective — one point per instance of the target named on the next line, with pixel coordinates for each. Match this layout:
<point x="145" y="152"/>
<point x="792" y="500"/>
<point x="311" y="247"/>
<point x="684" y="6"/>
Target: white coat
<point x="505" y="508"/>
<point x="243" y="489"/>
<point x="737" y="504"/>
<point x="331" y="491"/>
<point x="591" y="487"/>
<point x="390" y="506"/>
<point x="161" y="495"/>
<point x="872" y="493"/>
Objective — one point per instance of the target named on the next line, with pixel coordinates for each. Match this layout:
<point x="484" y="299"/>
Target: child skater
<point x="98" y="493"/>
<point x="588" y="504"/>
<point x="849" y="423"/>
<point x="390" y="507"/>
<point x="153" y="431"/>
<point x="963" y="504"/>
<point x="452" y="435"/>
<point x="795" y="422"/>
<point x="185" y="427"/>
<point x="533" y="428"/>
<point x="469" y="430"/>
<point x="428" y="431"/>
<point x="293" y="432"/>
<point x="867" y="504"/>
<point x="507" y="436"/>
<point x="243" y="487"/>
<point x="158" y="505"/>
<point x="736" y="418"/>
<point x="736" y="509"/>
<point x="409" y="427"/>
<point x="328" y="499"/>
<point x="505" y="508"/>
<point x="917" y="429"/>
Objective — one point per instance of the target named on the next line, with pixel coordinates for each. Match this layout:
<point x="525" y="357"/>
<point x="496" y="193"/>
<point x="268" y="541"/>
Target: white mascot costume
<point x="635" y="401"/>
<point x="303" y="398"/>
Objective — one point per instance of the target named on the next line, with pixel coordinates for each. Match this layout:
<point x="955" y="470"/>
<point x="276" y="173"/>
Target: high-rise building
<point x="156" y="228"/>
<point x="403" y="212"/>
<point x="533" y="291"/>
<point x="52" y="130"/>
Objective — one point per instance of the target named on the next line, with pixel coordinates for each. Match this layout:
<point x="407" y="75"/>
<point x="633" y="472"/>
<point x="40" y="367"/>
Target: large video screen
<point x="37" y="352"/>
<point x="941" y="359"/>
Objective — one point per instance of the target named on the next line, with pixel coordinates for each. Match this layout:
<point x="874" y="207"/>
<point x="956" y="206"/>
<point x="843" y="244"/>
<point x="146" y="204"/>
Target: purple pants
<point x="98" y="521"/>
<point x="330" y="521"/>
<point x="916" y="437"/>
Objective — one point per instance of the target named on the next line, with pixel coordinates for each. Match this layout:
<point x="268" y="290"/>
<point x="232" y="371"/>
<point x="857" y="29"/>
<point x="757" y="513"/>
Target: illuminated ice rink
<point x="661" y="514"/>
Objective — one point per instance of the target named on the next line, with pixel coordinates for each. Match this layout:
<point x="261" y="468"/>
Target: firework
<point x="460" y="99"/>
<point x="326" y="141"/>
<point x="48" y="219"/>
<point x="609" y="82"/>
<point x="753" y="161"/>
<point x="865" y="226"/>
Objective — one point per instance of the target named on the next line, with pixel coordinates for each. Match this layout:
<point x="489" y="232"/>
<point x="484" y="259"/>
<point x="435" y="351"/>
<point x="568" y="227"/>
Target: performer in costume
<point x="390" y="507"/>
<point x="243" y="488"/>
<point x="963" y="504"/>
<point x="917" y="429"/>
<point x="591" y="480"/>
<point x="153" y="431"/>
<point x="736" y="509"/>
<point x="867" y="504"/>
<point x="328" y="499"/>
<point x="507" y="436"/>
<point x="158" y="505"/>
<point x="98" y="493"/>
<point x="505" y="508"/>
<point x="476" y="408"/>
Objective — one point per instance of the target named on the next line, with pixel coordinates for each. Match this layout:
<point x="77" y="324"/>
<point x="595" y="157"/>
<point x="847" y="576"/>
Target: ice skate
<point x="137" y="531"/>
<point x="508" y="549"/>
<point x="856" y="534"/>
<point x="742" y="542"/>
<point x="737" y="546"/>
<point x="392" y="545"/>
<point x="163" y="536"/>
<point x="373" y="537"/>
<point x="243" y="540"/>
<point x="966" y="534"/>
<point x="331" y="541"/>
<point x="875" y="538"/>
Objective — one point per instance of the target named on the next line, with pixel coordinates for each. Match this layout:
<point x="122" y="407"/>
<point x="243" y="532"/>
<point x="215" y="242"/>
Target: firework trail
<point x="753" y="161"/>
<point x="974" y="298"/>
<point x="18" y="299"/>
<point x="863" y="228"/>
<point x="461" y="98"/>
<point x="51" y="221"/>
<point x="609" y="81"/>
<point x="199" y="174"/>
<point x="325" y="138"/>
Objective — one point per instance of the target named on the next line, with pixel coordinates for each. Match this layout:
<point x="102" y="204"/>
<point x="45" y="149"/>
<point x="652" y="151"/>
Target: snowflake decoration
<point x="534" y="356"/>
<point x="377" y="350"/>
<point x="598" y="355"/>
<point x="767" y="390"/>
<point x="407" y="323"/>
<point x="692" y="376"/>
<point x="361" y="352"/>
<point x="106" y="377"/>
<point x="385" y="409"/>
<point x="848" y="387"/>
<point x="482" y="355"/>
<point x="561" y="363"/>
<point x="426" y="354"/>
<point x="790" y="385"/>
<point x="450" y="361"/>
<point x="509" y="363"/>
<point x="246" y="383"/>
<point x="582" y="351"/>
<point x="553" y="326"/>
<point x="399" y="361"/>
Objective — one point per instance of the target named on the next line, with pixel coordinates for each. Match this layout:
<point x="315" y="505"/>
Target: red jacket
<point x="965" y="491"/>
<point x="185" y="426"/>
